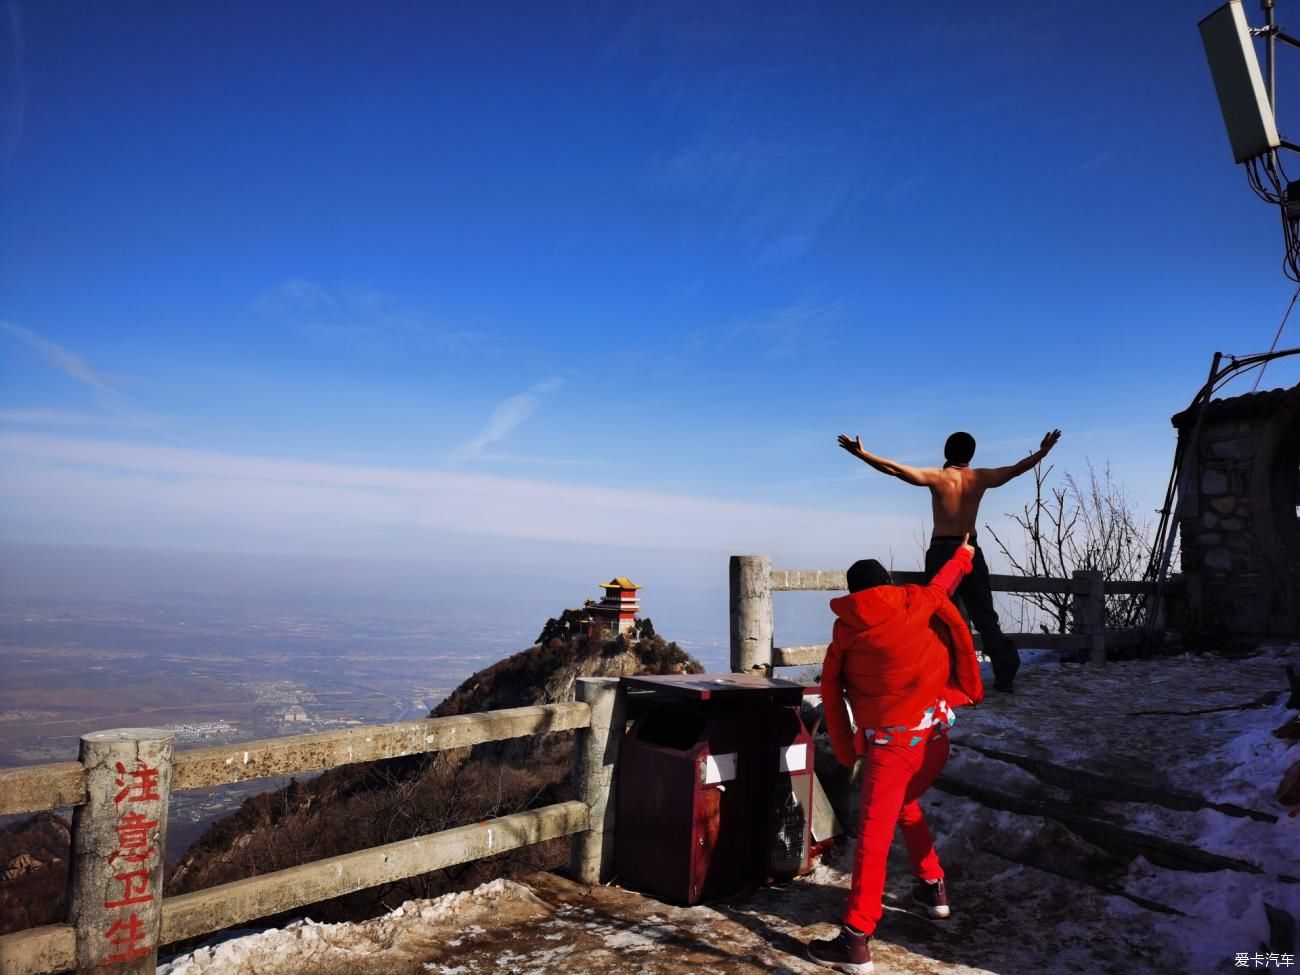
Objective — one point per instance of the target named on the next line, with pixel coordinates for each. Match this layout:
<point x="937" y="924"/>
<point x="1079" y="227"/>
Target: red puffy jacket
<point x="895" y="650"/>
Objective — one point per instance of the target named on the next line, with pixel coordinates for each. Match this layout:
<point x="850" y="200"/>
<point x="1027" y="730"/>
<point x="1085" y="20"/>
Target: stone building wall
<point x="1239" y="530"/>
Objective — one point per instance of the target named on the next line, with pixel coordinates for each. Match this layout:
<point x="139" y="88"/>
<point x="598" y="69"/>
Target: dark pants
<point x="976" y="601"/>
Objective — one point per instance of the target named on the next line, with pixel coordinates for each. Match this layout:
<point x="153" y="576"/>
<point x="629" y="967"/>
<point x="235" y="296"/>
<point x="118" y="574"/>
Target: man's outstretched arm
<point x="997" y="476"/>
<point x="920" y="476"/>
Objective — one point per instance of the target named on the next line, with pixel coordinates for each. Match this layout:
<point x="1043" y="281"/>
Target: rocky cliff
<point x="34" y="872"/>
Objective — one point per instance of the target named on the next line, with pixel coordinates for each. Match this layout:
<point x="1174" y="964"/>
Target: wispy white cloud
<point x="102" y="492"/>
<point x="793" y="330"/>
<point x="60" y="358"/>
<point x="775" y="199"/>
<point x="544" y="461"/>
<point x="76" y="418"/>
<point x="307" y="294"/>
<point x="117" y="408"/>
<point x="360" y="319"/>
<point x="509" y="414"/>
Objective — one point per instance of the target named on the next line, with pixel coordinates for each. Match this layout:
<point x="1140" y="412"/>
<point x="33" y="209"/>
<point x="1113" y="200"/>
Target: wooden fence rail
<point x="112" y="775"/>
<point x="753" y="580"/>
<point x="38" y="787"/>
<point x="62" y="784"/>
<point x="802" y="580"/>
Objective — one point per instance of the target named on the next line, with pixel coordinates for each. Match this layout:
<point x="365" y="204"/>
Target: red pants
<point x="893" y="778"/>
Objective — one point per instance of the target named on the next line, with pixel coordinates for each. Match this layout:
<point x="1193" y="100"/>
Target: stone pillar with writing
<point x="118" y="845"/>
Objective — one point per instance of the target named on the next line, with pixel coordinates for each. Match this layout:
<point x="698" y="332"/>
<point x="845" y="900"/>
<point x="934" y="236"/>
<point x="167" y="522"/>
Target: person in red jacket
<point x="903" y="657"/>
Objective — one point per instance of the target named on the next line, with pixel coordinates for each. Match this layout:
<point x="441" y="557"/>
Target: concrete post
<point x="1090" y="613"/>
<point x="751" y="614"/>
<point x="595" y="763"/>
<point x="119" y="838"/>
<point x="1097" y="599"/>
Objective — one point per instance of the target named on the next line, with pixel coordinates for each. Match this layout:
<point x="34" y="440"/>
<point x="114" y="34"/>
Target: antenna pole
<point x="1270" y="42"/>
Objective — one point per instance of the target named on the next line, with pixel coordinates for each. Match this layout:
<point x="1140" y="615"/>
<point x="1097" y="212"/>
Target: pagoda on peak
<point x="616" y="612"/>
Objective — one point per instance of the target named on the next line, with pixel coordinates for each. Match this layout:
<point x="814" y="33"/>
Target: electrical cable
<point x="1271" y="348"/>
<point x="1272" y="170"/>
<point x="1267" y="178"/>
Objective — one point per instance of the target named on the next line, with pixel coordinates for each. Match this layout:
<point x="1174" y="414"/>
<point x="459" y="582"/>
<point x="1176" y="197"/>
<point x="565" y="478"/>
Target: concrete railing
<point x="753" y="580"/>
<point x="119" y="791"/>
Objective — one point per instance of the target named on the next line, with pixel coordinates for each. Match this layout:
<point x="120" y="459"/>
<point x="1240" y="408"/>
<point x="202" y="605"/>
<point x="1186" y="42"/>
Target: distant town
<point x="73" y="669"/>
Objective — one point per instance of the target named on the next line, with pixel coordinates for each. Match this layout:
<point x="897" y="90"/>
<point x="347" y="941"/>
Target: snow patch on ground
<point x="1225" y="910"/>
<point x="1151" y="722"/>
<point x="306" y="946"/>
<point x="1255" y="759"/>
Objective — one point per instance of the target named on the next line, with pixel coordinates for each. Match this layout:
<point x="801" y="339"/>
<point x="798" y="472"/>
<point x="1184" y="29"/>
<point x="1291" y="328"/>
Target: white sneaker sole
<point x="847" y="967"/>
<point x="941" y="911"/>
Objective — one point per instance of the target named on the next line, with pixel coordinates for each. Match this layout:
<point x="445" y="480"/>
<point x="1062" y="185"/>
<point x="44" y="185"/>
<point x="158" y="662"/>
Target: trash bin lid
<point x="705" y="687"/>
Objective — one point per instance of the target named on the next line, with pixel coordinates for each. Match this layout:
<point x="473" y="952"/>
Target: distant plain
<point x="216" y="674"/>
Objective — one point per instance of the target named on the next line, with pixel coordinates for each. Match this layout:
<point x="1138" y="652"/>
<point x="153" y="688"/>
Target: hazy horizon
<point x="682" y="592"/>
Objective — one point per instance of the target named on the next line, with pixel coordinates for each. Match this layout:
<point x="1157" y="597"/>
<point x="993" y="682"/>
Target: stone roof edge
<point x="1246" y="405"/>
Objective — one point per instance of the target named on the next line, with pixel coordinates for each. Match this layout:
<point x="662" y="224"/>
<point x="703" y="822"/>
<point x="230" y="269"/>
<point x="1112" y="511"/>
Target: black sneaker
<point x="847" y="952"/>
<point x="933" y="896"/>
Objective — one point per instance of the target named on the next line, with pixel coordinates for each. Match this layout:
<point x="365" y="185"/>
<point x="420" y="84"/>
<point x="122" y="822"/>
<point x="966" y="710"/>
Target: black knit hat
<point x="866" y="574"/>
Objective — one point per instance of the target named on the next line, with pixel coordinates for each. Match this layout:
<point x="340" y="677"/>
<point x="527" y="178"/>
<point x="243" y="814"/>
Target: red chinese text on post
<point x="140" y="785"/>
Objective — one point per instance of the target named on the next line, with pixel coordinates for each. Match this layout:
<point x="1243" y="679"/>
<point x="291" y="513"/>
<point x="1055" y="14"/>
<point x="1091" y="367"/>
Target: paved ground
<point x="1116" y="819"/>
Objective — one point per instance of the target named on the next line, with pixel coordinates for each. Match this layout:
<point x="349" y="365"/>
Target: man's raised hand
<point x="965" y="543"/>
<point x="853" y="446"/>
<point x="1049" y="441"/>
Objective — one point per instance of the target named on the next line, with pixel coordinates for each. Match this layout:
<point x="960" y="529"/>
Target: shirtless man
<point x="955" y="493"/>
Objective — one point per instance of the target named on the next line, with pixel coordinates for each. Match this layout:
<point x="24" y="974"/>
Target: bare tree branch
<point x="1072" y="527"/>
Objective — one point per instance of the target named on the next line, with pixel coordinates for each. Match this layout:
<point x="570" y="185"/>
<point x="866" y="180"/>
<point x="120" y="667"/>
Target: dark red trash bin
<point x="714" y="786"/>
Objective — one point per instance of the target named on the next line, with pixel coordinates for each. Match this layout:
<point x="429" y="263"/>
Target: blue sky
<point x="407" y="278"/>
